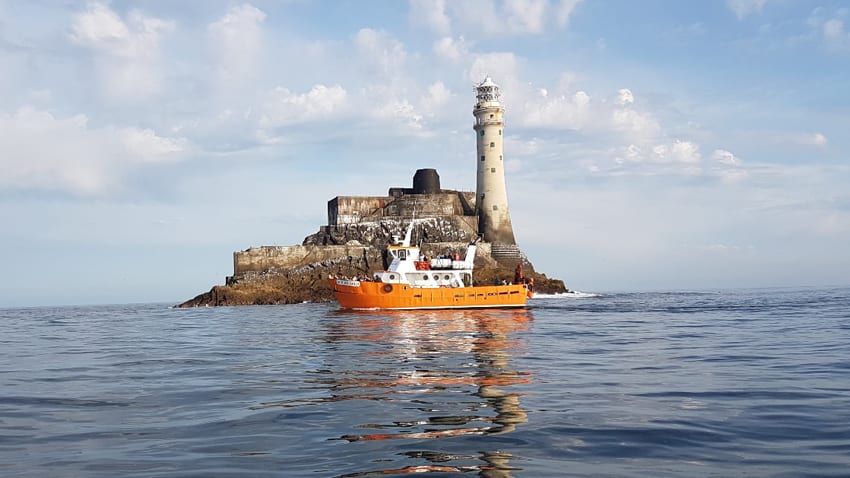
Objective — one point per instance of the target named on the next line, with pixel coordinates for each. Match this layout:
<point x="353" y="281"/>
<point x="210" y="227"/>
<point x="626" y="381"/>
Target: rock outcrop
<point x="354" y="244"/>
<point x="308" y="281"/>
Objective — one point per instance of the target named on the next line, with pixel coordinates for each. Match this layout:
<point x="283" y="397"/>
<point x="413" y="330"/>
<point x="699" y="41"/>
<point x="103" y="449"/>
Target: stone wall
<point x="271" y="258"/>
<point x="346" y="260"/>
<point x="356" y="209"/>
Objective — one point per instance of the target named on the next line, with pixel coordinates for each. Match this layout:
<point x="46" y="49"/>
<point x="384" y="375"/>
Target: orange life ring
<point x="388" y="288"/>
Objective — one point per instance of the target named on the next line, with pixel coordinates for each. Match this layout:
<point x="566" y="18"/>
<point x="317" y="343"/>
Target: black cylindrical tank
<point x="426" y="181"/>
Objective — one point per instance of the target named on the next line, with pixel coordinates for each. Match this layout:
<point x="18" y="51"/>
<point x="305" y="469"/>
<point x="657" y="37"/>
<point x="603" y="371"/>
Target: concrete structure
<point x="494" y="219"/>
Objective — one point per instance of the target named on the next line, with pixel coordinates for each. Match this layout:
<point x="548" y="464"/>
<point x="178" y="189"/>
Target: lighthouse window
<point x="492" y="145"/>
<point x="482" y="157"/>
<point x="495" y="208"/>
<point x="500" y="132"/>
<point x="491" y="116"/>
<point x="492" y="170"/>
<point x="500" y="157"/>
<point x="482" y="132"/>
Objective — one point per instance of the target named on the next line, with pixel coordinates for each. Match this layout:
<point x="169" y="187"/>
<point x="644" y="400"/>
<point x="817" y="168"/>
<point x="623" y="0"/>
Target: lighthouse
<point x="491" y="197"/>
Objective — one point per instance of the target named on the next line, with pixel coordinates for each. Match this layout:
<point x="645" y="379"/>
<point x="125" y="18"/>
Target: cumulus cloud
<point x="676" y="152"/>
<point x="502" y="65"/>
<point x="447" y="48"/>
<point x="625" y="97"/>
<point x="432" y="14"/>
<point x="397" y="112"/>
<point x="634" y="123"/>
<point x="380" y="49"/>
<point x="78" y="159"/>
<point x="126" y="52"/>
<point x="743" y="8"/>
<point x="437" y="96"/>
<point x="492" y="17"/>
<point x="565" y="11"/>
<point x="526" y="16"/>
<point x="835" y="34"/>
<point x="236" y="43"/>
<point x="560" y="112"/>
<point x="728" y="167"/>
<point x="726" y="158"/>
<point x="810" y="139"/>
<point x="282" y="107"/>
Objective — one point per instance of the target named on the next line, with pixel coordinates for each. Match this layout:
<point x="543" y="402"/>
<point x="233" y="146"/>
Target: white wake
<point x="573" y="294"/>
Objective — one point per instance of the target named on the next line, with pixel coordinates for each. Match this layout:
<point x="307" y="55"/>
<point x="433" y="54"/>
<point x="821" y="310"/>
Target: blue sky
<point x="649" y="145"/>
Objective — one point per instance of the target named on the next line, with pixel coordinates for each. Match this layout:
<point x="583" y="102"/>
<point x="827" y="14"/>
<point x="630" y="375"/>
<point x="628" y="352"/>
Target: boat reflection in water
<point x="436" y="375"/>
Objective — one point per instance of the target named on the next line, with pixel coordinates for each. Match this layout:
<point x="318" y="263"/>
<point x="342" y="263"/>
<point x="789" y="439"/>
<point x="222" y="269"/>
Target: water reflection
<point x="455" y="367"/>
<point x="406" y="379"/>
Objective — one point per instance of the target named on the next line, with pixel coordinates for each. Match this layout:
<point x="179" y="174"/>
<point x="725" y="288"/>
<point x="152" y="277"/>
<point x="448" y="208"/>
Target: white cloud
<point x="447" y="48"/>
<point x="676" y="152"/>
<point x="725" y="158"/>
<point x="502" y="66"/>
<point x="835" y="34"/>
<point x="437" y="96"/>
<point x="560" y="112"/>
<point x="565" y="10"/>
<point x="380" y="49"/>
<point x="526" y="16"/>
<point x="728" y="167"/>
<point x="492" y="17"/>
<point x="432" y="14"/>
<point x="478" y="16"/>
<point x="625" y="97"/>
<point x="830" y="29"/>
<point x="126" y="53"/>
<point x="810" y="139"/>
<point x="398" y="111"/>
<point x="731" y="176"/>
<point x="236" y="43"/>
<point x="636" y="124"/>
<point x="77" y="159"/>
<point x="282" y="107"/>
<point x="743" y="8"/>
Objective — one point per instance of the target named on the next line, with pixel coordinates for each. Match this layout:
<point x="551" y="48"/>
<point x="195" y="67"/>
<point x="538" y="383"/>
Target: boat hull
<point x="382" y="295"/>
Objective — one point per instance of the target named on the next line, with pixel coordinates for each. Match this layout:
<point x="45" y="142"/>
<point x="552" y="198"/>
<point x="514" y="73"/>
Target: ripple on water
<point x="713" y="383"/>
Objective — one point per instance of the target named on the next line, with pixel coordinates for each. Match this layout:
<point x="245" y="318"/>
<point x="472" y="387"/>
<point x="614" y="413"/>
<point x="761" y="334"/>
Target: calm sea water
<point x="743" y="383"/>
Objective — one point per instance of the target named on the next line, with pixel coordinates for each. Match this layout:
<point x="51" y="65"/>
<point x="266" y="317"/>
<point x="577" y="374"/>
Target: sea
<point x="724" y="383"/>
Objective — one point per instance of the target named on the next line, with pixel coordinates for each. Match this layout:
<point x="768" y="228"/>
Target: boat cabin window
<point x="402" y="254"/>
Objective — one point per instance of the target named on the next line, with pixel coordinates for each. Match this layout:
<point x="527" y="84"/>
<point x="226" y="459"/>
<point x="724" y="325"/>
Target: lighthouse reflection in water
<point x="439" y="385"/>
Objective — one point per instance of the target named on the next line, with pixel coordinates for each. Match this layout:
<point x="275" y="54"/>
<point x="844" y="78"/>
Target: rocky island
<point x="353" y="243"/>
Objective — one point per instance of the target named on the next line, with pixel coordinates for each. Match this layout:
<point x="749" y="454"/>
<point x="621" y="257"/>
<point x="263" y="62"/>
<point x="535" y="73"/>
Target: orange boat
<point x="440" y="283"/>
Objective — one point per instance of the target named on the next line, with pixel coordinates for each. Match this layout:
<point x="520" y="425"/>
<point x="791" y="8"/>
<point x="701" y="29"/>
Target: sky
<point x="651" y="145"/>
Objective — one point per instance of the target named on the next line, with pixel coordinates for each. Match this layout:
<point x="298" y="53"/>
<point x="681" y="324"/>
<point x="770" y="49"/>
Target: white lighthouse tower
<point x="491" y="197"/>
